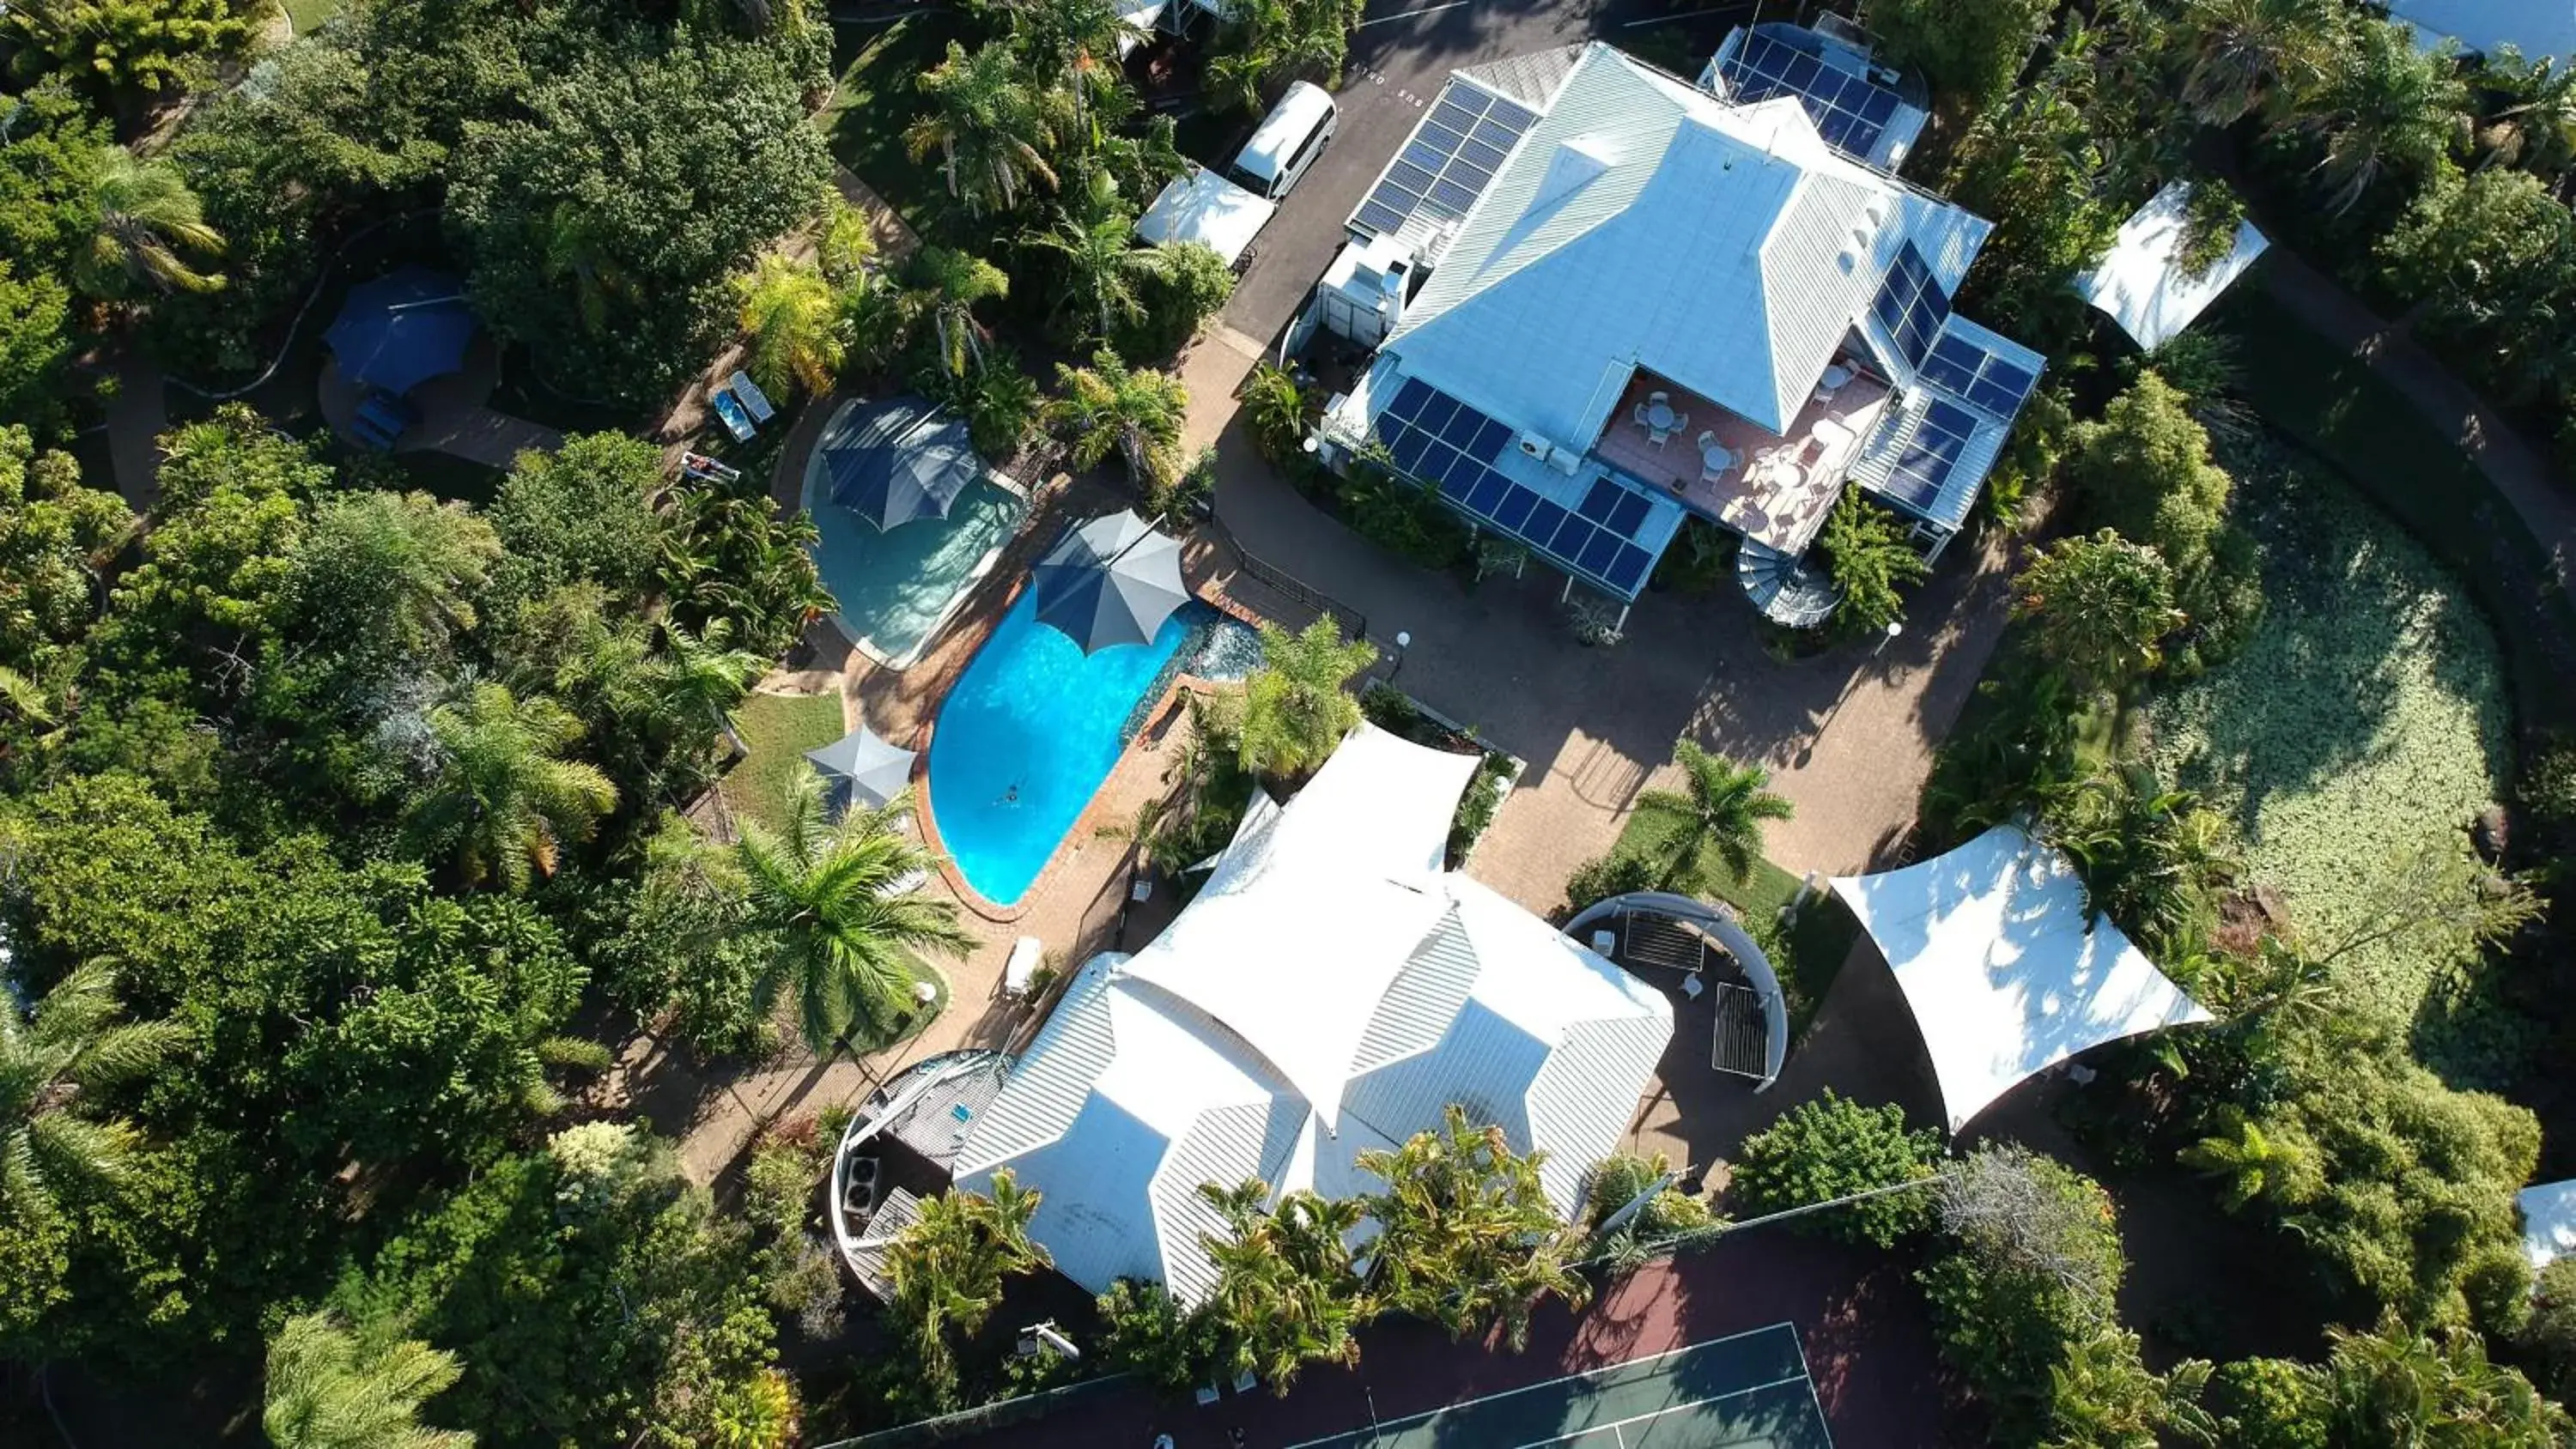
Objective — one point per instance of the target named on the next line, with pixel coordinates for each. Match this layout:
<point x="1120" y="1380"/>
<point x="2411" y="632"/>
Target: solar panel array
<point x="1449" y="162"/>
<point x="1911" y="305"/>
<point x="1444" y="443"/>
<point x="1970" y="371"/>
<point x="1931" y="453"/>
<point x="1852" y="111"/>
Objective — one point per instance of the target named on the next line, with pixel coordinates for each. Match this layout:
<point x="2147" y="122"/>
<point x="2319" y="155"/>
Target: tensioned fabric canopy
<point x="899" y="460"/>
<point x="2141" y="284"/>
<point x="867" y="766"/>
<point x="2007" y="974"/>
<point x="402" y="329"/>
<point x="1112" y="581"/>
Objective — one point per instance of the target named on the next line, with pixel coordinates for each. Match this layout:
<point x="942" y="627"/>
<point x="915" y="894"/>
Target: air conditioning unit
<point x="1535" y="445"/>
<point x="1565" y="461"/>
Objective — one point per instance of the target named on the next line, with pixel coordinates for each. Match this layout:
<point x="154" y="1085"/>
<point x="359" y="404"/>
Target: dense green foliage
<point x="1869" y="557"/>
<point x="1833" y="1147"/>
<point x="1298" y="704"/>
<point x="2099" y="607"/>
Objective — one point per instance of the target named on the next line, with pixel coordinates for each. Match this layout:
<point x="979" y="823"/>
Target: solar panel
<point x="1441" y="442"/>
<point x="1449" y="162"/>
<point x="1931" y="453"/>
<point x="1911" y="305"/>
<point x="1850" y="110"/>
<point x="1967" y="370"/>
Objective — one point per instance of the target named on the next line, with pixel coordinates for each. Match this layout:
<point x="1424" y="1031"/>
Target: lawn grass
<point x="875" y="102"/>
<point x="2333" y="405"/>
<point x="778" y="729"/>
<point x="1806" y="955"/>
<point x="307" y="15"/>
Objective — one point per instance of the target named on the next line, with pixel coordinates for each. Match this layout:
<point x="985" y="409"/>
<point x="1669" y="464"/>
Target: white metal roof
<point x="2548" y="1221"/>
<point x="2535" y="27"/>
<point x="1645" y="223"/>
<point x="2141" y="286"/>
<point x="1245" y="1044"/>
<point x="2005" y="973"/>
<point x="1204" y="207"/>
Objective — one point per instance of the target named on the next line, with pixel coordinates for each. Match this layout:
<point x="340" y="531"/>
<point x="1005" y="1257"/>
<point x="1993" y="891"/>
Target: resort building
<point x="1647" y="299"/>
<point x="1330" y="990"/>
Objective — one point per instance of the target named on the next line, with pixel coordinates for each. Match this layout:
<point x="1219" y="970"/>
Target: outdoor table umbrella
<point x="401" y="330"/>
<point x="866" y="766"/>
<point x="901" y="460"/>
<point x="1112" y="581"/>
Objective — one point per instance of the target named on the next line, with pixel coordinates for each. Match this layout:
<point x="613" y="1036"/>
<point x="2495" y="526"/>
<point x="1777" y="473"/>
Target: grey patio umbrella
<point x="869" y="768"/>
<point x="1112" y="581"/>
<point x="899" y="460"/>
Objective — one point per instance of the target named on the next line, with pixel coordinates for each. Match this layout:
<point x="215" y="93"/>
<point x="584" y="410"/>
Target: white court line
<point x="1677" y="15"/>
<point x="1591" y="1373"/>
<point x="1615" y="1426"/>
<point x="1412" y="14"/>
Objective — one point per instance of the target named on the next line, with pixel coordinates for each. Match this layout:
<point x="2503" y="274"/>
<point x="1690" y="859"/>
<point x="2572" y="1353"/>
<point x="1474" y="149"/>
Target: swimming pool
<point x="1033" y="727"/>
<point x="897" y="587"/>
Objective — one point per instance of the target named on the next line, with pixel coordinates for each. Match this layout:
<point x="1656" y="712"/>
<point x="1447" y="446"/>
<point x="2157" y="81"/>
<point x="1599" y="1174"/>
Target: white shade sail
<point x="2006" y="974"/>
<point x="2141" y="284"/>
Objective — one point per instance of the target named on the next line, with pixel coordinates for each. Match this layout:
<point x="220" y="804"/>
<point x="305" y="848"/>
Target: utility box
<point x="1361" y="298"/>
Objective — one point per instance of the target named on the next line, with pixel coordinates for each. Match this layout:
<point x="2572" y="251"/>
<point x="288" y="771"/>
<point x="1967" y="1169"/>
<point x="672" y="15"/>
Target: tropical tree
<point x="794" y="322"/>
<point x="329" y="1387"/>
<point x="1832" y="1148"/>
<point x="2384" y="108"/>
<point x="128" y="47"/>
<point x="502" y="796"/>
<point x="391" y="575"/>
<point x="2398" y="1386"/>
<point x="1295" y="706"/>
<point x="1286" y="1294"/>
<point x="2241" y="56"/>
<point x="1073" y="45"/>
<point x="1970" y="50"/>
<point x="71" y="1045"/>
<point x="1107" y="267"/>
<point x="947" y="1268"/>
<point x="990" y="126"/>
<point x="1135" y="412"/>
<point x="941" y="291"/>
<point x="1467" y="1236"/>
<point x="701" y="677"/>
<point x="2250" y="1162"/>
<point x="2099" y="606"/>
<point x="846" y="244"/>
<point x="149" y="227"/>
<point x="1719" y="811"/>
<point x="2152" y="859"/>
<point x="1869" y="558"/>
<point x="1263" y="43"/>
<point x="837" y="900"/>
<point x="1274" y="408"/>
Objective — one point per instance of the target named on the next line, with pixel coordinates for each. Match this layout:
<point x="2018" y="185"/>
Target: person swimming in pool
<point x="1010" y="796"/>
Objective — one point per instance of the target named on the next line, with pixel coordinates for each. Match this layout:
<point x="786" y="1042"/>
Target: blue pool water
<point x="897" y="587"/>
<point x="1028" y="734"/>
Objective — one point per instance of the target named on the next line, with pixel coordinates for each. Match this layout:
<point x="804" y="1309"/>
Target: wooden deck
<point x="1775" y="490"/>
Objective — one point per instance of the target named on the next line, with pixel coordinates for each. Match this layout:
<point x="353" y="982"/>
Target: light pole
<point x="1895" y="629"/>
<point x="1403" y="641"/>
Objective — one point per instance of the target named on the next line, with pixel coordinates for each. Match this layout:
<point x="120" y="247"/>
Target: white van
<point x="1290" y="138"/>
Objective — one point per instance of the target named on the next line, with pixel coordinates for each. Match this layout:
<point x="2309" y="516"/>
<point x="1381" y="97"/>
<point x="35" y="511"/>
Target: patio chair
<point x="728" y="408"/>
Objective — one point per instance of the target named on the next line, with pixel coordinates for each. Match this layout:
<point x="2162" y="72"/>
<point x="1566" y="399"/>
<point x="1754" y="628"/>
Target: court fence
<point x="947" y="1428"/>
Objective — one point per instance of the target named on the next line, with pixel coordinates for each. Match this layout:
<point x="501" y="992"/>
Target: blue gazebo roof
<point x="402" y="329"/>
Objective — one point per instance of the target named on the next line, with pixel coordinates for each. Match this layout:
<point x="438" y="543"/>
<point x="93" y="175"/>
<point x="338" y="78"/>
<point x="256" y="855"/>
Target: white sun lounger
<point x="1022" y="968"/>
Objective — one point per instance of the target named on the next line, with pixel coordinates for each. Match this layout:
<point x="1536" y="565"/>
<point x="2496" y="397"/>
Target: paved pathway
<point x="2519" y="471"/>
<point x="138" y="413"/>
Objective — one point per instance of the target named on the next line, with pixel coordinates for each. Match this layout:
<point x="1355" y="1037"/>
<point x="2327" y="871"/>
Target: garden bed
<point x="2366" y="717"/>
<point x="1806" y="951"/>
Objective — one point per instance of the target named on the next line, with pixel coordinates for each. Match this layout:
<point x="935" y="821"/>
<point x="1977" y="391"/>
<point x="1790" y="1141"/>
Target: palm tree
<point x="1074" y="44"/>
<point x="1264" y="40"/>
<point x="1467" y="1235"/>
<point x="2151" y="859"/>
<point x="942" y="288"/>
<point x="1296" y="708"/>
<point x="1106" y="264"/>
<point x="2279" y="1165"/>
<point x="1137" y="412"/>
<point x="947" y="1267"/>
<point x="836" y="898"/>
<point x="329" y="1388"/>
<point x="1720" y="808"/>
<point x="701" y="676"/>
<point x="794" y="322"/>
<point x="2383" y="107"/>
<point x="2538" y="132"/>
<point x="2244" y="54"/>
<point x="1286" y="1294"/>
<point x="502" y="794"/>
<point x="148" y="220"/>
<point x="70" y="1045"/>
<point x="989" y="126"/>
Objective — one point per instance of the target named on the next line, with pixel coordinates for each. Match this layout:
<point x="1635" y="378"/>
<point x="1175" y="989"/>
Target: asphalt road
<point x="1402" y="54"/>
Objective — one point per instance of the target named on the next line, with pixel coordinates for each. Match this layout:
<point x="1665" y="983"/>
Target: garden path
<point x="138" y="413"/>
<point x="2518" y="469"/>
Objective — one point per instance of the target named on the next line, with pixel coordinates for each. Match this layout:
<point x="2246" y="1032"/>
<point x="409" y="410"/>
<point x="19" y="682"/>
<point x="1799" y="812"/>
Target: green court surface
<point x="1745" y="1392"/>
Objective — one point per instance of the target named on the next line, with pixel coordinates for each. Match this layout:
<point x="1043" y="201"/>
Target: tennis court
<point x="1749" y="1391"/>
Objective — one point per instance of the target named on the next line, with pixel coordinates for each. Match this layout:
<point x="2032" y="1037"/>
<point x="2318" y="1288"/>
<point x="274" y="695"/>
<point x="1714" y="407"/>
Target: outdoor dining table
<point x="1660" y="417"/>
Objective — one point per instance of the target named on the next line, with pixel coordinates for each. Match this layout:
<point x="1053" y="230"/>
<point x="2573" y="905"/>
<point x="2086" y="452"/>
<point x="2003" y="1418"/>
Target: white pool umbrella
<point x="867" y="766"/>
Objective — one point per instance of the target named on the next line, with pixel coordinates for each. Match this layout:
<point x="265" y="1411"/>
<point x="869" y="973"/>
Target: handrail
<point x="1295" y="588"/>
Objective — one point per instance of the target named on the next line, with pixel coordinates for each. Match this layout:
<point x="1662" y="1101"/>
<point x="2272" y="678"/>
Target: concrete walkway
<point x="2520" y="471"/>
<point x="1848" y="734"/>
<point x="138" y="413"/>
<point x="455" y="417"/>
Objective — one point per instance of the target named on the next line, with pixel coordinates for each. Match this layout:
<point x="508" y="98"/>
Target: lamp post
<point x="1895" y="629"/>
<point x="1403" y="641"/>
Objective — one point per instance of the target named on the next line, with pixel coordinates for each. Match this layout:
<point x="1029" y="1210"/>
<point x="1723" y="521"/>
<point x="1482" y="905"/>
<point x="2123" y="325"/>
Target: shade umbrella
<point x="866" y="766"/>
<point x="901" y="459"/>
<point x="1112" y="581"/>
<point x="402" y="329"/>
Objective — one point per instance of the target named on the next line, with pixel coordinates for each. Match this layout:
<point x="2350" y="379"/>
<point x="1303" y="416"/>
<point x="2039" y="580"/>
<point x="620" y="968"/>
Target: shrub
<point x="1610" y="875"/>
<point x="1868" y="555"/>
<point x="1622" y="1176"/>
<point x="1148" y="1333"/>
<point x="1274" y="409"/>
<point x="2098" y="607"/>
<point x="1401" y="515"/>
<point x="2144" y="469"/>
<point x="1193" y="285"/>
<point x="1833" y="1147"/>
<point x="1295" y="706"/>
<point x="2267" y="1403"/>
<point x="2547" y="1343"/>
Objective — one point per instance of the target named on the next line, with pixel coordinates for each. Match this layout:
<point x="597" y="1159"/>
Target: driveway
<point x="1401" y="56"/>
